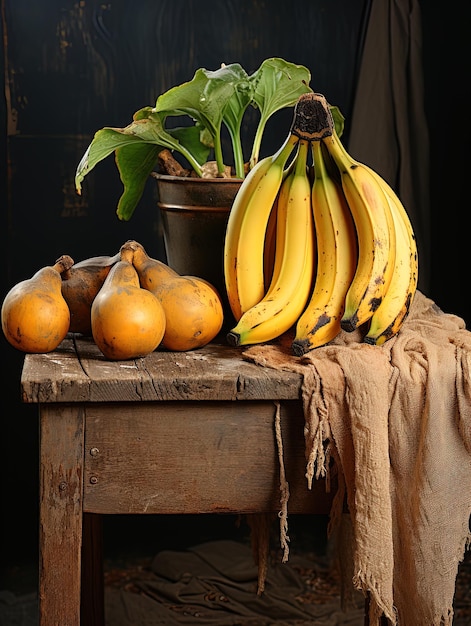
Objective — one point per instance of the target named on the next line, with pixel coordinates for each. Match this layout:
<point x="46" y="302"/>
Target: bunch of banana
<point x="345" y="255"/>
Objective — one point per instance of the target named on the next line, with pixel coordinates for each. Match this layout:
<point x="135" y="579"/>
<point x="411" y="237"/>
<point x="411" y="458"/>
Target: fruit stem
<point x="298" y="348"/>
<point x="312" y="119"/>
<point x="233" y="339"/>
<point x="283" y="153"/>
<point x="337" y="151"/>
<point x="63" y="263"/>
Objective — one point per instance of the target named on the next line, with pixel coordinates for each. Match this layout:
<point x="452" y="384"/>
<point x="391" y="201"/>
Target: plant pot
<point x="194" y="215"/>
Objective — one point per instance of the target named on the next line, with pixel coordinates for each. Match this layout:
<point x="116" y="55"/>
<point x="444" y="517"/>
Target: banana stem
<point x="312" y="119"/>
<point x="284" y="152"/>
<point x="318" y="158"/>
<point x="301" y="158"/>
<point x="338" y="152"/>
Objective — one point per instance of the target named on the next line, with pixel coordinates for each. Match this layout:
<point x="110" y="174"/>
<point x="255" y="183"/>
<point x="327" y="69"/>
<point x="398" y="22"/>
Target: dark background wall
<point x="70" y="68"/>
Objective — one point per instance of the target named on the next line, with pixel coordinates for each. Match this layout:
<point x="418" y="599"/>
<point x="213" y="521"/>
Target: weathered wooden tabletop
<point x="78" y="372"/>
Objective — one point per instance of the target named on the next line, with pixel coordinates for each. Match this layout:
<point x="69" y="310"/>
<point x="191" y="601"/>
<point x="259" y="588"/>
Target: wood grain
<point x="195" y="457"/>
<point x="60" y="516"/>
<point x="78" y="372"/>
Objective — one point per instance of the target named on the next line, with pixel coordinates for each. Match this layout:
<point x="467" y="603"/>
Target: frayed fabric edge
<point x="377" y="608"/>
<point x="284" y="487"/>
<point x="316" y="435"/>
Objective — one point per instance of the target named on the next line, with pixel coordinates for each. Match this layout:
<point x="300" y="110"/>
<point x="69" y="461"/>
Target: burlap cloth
<point x="396" y="420"/>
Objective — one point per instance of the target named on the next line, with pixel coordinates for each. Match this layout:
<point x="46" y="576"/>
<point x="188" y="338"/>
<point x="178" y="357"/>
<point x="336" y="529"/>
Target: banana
<point x="395" y="305"/>
<point x="375" y="232"/>
<point x="270" y="245"/>
<point x="291" y="285"/>
<point x="271" y="263"/>
<point x="246" y="228"/>
<point x="336" y="260"/>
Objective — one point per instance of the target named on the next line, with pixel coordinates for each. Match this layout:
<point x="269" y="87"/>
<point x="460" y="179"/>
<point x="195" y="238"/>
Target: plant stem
<point x="218" y="153"/>
<point x="238" y="154"/>
<point x="191" y="160"/>
<point x="257" y="143"/>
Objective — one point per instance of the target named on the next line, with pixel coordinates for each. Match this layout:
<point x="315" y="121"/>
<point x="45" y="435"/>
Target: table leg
<point x="60" y="514"/>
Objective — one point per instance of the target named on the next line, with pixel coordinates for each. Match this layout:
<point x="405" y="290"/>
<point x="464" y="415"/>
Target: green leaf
<point x="277" y="85"/>
<point x="194" y="140"/>
<point x="339" y="120"/>
<point x="103" y="144"/>
<point x="135" y="162"/>
<point x="146" y="127"/>
<point x="232" y="118"/>
<point x="205" y="99"/>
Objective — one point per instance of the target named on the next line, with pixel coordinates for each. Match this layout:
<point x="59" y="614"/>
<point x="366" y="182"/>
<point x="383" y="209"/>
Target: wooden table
<point x="172" y="433"/>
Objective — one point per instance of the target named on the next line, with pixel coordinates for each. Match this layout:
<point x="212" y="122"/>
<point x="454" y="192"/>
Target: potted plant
<point x="211" y="101"/>
<point x="186" y="158"/>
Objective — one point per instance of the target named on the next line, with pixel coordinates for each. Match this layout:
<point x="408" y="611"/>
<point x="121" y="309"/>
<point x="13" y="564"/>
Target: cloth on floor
<point x="397" y="421"/>
<point x="215" y="583"/>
